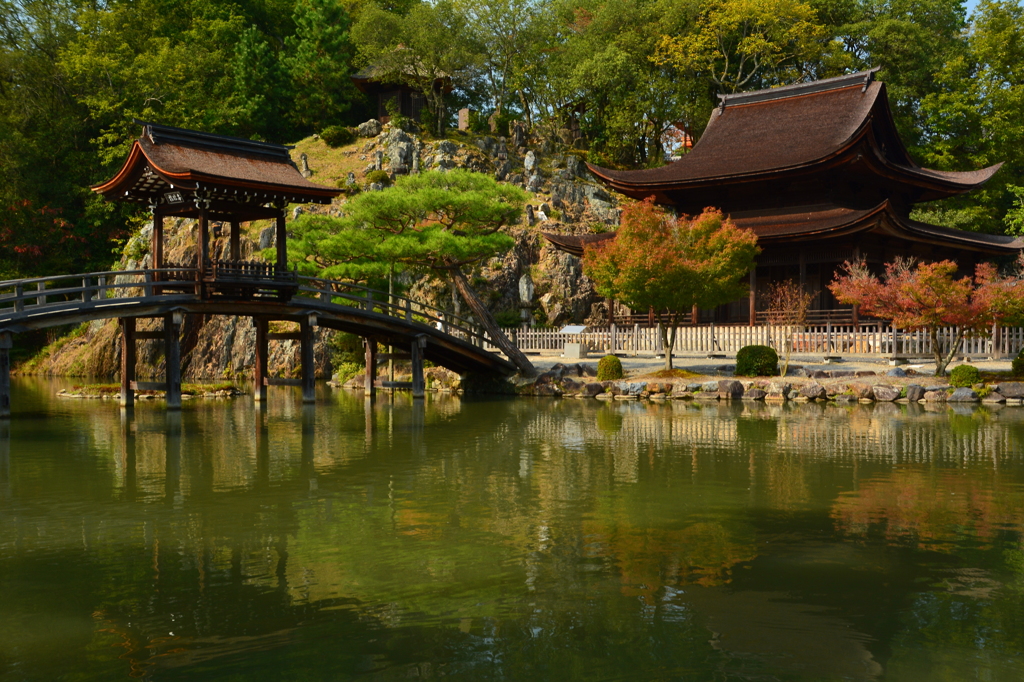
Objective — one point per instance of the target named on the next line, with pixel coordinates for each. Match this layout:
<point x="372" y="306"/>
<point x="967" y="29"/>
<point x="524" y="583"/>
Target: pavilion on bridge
<point x="819" y="173"/>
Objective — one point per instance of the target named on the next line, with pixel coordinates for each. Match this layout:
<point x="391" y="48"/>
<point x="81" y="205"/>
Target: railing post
<point x="369" y="301"/>
<point x="101" y="292"/>
<point x="41" y="286"/>
<point x="147" y="286"/>
<point x="19" y="302"/>
<point x="408" y="310"/>
<point x="86" y="291"/>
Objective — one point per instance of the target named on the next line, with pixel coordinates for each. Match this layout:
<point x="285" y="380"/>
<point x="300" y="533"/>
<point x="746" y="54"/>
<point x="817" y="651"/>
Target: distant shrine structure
<point x="819" y="173"/>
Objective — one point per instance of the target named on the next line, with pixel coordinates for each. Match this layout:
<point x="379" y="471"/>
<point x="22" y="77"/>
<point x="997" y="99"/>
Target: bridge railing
<point x="374" y="300"/>
<point x="20" y="295"/>
<point x="53" y="293"/>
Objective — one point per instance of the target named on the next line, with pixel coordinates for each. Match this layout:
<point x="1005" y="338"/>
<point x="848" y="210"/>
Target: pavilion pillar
<point x="172" y="356"/>
<point x="694" y="316"/>
<point x="204" y="242"/>
<point x="259" y="389"/>
<point x="157" y="244"/>
<point x="370" y="376"/>
<point x="610" y="304"/>
<point x="282" y="243"/>
<point x="127" y="361"/>
<point x="417" y="366"/>
<point x="308" y="366"/>
<point x="6" y="343"/>
<point x="753" y="296"/>
<point x="236" y="240"/>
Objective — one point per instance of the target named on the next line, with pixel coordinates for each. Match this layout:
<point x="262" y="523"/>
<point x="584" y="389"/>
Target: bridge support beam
<point x="127" y="361"/>
<point x="259" y="389"/>
<point x="172" y="356"/>
<point x="370" y="376"/>
<point x="308" y="364"/>
<point x="418" y="344"/>
<point x="6" y="343"/>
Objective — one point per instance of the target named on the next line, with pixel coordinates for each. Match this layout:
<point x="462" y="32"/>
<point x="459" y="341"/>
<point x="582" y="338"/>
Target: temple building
<point x="819" y="173"/>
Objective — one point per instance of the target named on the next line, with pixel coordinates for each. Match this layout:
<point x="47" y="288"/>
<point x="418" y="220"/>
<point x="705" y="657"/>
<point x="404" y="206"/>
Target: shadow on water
<point x="511" y="538"/>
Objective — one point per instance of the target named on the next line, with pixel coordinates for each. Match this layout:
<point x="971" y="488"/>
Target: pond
<point x="508" y="539"/>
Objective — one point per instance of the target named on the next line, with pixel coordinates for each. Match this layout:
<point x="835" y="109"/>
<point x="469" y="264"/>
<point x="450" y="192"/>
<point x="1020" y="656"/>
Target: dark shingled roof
<point x="188" y="159"/>
<point x="827" y="221"/>
<point x="794" y="128"/>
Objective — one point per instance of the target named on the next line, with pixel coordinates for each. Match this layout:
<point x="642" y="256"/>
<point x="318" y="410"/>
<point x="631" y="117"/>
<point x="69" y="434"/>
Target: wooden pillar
<point x="610" y="304"/>
<point x="127" y="361"/>
<point x="416" y="351"/>
<point x="157" y="246"/>
<point x="370" y="376"/>
<point x="204" y="242"/>
<point x="308" y="366"/>
<point x="694" y="316"/>
<point x="282" y="243"/>
<point x="6" y="343"/>
<point x="259" y="370"/>
<point x="172" y="356"/>
<point x="753" y="296"/>
<point x="236" y="240"/>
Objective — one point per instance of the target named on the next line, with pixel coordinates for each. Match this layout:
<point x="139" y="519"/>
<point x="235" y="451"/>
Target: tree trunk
<point x="476" y="305"/>
<point x="668" y="339"/>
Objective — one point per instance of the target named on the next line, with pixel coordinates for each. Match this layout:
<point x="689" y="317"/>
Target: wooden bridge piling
<point x="172" y="356"/>
<point x="259" y="389"/>
<point x="306" y="360"/>
<point x="127" y="361"/>
<point x="370" y="376"/>
<point x="418" y="343"/>
<point x="6" y="343"/>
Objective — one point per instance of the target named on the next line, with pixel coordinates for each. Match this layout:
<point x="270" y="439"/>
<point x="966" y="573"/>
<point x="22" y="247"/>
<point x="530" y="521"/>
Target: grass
<point x="671" y="374"/>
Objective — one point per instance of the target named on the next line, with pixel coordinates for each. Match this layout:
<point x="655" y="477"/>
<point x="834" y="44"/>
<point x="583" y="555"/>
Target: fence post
<point x="996" y="350"/>
<point x="19" y="302"/>
<point x="408" y="310"/>
<point x="41" y="286"/>
<point x="636" y="338"/>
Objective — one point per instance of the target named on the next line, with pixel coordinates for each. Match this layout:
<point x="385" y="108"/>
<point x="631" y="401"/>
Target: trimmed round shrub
<point x="608" y="368"/>
<point x="964" y="375"/>
<point x="380" y="176"/>
<point x="337" y="136"/>
<point x="1018" y="364"/>
<point x="757" y="361"/>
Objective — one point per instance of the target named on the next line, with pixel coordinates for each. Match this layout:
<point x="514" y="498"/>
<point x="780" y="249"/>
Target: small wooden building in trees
<point x="213" y="178"/>
<point x="819" y="173"/>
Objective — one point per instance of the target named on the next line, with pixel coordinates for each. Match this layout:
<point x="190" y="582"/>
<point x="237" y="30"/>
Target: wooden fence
<point x="828" y="340"/>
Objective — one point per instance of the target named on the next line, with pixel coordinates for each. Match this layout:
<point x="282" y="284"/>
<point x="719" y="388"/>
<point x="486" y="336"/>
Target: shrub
<point x="1018" y="364"/>
<point x="608" y="368"/>
<point x="964" y="375"/>
<point x="336" y="136"/>
<point x="757" y="361"/>
<point x="380" y="176"/>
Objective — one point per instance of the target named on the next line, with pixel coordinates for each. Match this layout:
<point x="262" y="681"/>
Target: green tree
<point x="259" y="91"/>
<point x="318" y="59"/>
<point x="444" y="223"/>
<point x="672" y="264"/>
<point x="430" y="48"/>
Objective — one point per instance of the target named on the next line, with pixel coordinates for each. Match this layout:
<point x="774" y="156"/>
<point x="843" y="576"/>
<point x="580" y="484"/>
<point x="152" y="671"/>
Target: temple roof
<point x="798" y="130"/>
<point x="826" y="221"/>
<point x="168" y="161"/>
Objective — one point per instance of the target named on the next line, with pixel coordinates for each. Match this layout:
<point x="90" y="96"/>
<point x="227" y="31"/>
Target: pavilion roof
<point x="826" y="221"/>
<point x="164" y="159"/>
<point x="795" y="130"/>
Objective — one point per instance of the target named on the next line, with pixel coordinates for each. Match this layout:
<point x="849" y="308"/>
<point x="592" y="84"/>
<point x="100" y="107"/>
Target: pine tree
<point x="318" y="64"/>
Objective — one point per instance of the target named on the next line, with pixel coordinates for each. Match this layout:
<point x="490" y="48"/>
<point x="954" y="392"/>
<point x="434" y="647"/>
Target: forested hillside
<point x="617" y="80"/>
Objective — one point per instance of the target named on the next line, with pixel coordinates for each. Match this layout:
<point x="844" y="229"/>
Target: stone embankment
<point x="840" y="386"/>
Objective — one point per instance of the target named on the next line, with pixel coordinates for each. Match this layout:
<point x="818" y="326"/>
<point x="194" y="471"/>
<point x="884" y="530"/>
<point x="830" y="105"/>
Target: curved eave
<point x="574" y="244"/>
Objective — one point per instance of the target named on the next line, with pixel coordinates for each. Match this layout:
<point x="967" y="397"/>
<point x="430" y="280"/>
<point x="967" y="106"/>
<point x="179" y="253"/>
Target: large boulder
<point x="963" y="395"/>
<point x="1011" y="389"/>
<point x="915" y="393"/>
<point x="862" y="391"/>
<point x="370" y="128"/>
<point x="885" y="394"/>
<point x="813" y="391"/>
<point x="934" y="396"/>
<point x="592" y="389"/>
<point x="730" y="388"/>
<point x="754" y="394"/>
<point x="896" y="372"/>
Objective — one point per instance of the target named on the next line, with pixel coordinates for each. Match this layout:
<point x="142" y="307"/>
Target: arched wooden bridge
<point x="255" y="289"/>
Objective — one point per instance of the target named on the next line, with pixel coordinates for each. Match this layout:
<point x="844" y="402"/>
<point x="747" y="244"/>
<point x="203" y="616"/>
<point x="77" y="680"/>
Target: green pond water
<point x="525" y="539"/>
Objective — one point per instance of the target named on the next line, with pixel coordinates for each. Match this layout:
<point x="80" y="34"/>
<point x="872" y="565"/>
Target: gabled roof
<point x="166" y="158"/>
<point x="826" y="221"/>
<point x="798" y="129"/>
